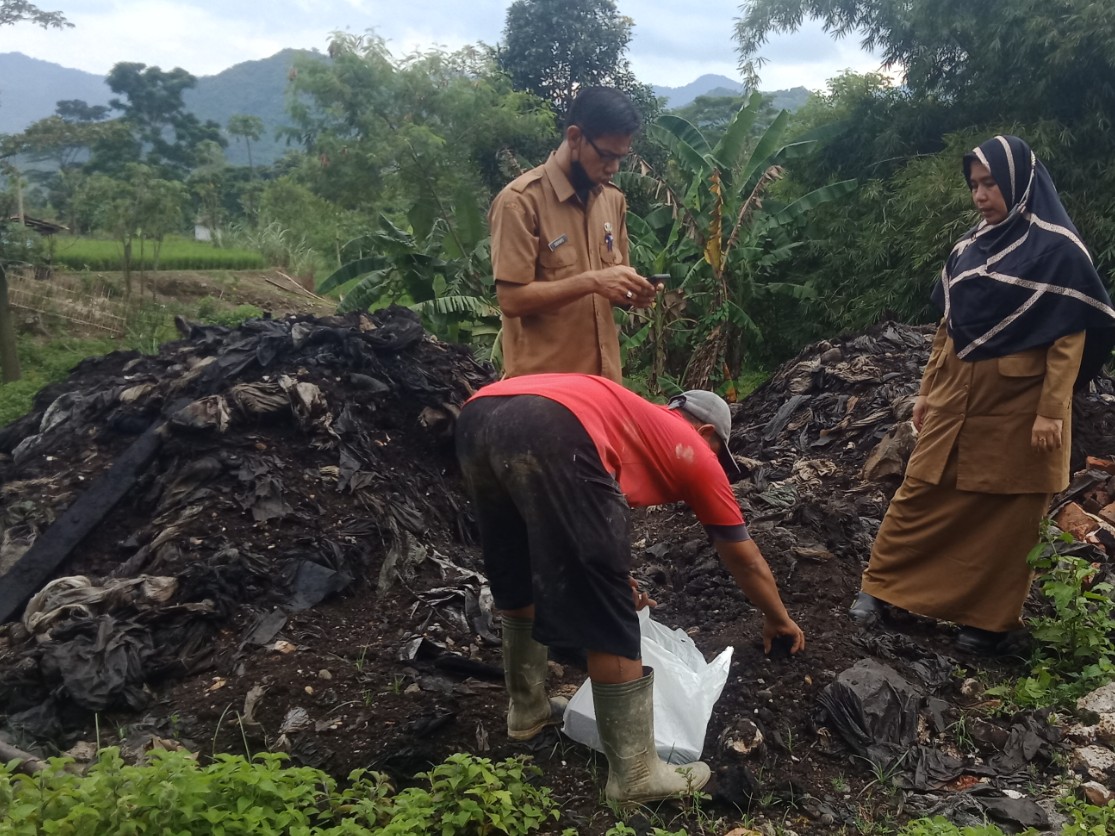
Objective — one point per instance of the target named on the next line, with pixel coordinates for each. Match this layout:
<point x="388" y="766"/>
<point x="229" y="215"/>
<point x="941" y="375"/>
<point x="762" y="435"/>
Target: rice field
<point x="178" y="253"/>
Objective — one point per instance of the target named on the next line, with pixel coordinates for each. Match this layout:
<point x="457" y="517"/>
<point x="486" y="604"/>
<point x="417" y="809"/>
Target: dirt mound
<point x="278" y="462"/>
<point x="276" y="554"/>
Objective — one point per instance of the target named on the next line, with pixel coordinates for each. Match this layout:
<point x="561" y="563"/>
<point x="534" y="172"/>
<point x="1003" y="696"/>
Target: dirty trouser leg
<point x="554" y="524"/>
<point x="577" y="524"/>
<point x="507" y="558"/>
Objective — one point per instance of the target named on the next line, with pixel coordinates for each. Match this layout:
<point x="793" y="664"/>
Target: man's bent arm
<point x="541" y="297"/>
<point x="613" y="283"/>
<point x="751" y="573"/>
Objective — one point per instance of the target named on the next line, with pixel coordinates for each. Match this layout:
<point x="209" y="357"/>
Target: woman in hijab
<point x="1020" y="299"/>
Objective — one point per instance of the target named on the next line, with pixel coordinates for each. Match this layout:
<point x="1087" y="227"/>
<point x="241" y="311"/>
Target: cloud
<point x="672" y="43"/>
<point x="163" y="33"/>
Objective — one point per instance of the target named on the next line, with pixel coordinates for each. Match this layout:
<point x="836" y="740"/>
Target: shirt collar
<point x="559" y="181"/>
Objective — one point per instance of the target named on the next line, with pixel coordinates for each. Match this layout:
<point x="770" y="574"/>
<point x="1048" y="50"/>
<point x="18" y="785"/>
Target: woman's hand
<point x="1046" y="434"/>
<point x="920" y="408"/>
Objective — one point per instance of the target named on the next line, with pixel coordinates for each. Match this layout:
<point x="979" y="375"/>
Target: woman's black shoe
<point x="980" y="642"/>
<point x="866" y="610"/>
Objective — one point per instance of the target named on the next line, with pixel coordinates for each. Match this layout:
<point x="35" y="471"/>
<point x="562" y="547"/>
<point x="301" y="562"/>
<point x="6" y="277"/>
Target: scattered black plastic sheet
<point x="875" y="710"/>
<point x="975" y="806"/>
<point x="99" y="662"/>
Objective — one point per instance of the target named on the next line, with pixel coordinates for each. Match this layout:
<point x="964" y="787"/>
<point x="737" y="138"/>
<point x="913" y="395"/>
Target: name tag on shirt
<point x="557" y="242"/>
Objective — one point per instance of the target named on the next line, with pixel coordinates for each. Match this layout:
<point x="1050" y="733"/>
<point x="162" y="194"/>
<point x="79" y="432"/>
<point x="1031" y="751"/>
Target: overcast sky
<point x="674" y="42"/>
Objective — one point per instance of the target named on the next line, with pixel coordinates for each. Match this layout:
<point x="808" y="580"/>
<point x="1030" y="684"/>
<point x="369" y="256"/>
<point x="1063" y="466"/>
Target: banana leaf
<point x="350" y="271"/>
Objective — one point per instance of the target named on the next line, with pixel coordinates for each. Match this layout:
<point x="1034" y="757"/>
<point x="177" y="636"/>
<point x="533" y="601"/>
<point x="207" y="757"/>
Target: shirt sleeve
<point x="514" y="229"/>
<point x="1062" y="362"/>
<point x="728" y="533"/>
<point x="934" y="359"/>
<point x="707" y="492"/>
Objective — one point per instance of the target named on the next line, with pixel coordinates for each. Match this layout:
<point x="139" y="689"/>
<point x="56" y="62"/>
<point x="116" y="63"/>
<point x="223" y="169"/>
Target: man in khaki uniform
<point x="560" y="251"/>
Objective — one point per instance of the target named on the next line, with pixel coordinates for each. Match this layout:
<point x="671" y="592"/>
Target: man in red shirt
<point x="554" y="462"/>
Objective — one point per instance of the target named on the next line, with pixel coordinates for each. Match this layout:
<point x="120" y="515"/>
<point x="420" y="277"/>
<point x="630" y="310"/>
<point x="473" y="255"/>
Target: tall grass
<point x="177" y="253"/>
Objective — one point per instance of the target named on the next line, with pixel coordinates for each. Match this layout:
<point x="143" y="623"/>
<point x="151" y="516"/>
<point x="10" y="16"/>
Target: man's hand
<point x="640" y="598"/>
<point x="621" y="285"/>
<point x="920" y="408"/>
<point x="1046" y="434"/>
<point x="752" y="575"/>
<point x="772" y="628"/>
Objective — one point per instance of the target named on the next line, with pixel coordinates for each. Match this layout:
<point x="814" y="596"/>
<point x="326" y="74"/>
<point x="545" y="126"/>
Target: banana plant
<point x="718" y="229"/>
<point x="440" y="268"/>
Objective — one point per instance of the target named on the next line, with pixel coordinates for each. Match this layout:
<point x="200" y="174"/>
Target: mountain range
<point x="30" y="88"/>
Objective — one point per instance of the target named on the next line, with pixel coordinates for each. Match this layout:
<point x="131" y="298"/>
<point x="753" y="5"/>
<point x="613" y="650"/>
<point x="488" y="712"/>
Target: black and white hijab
<point x="1028" y="280"/>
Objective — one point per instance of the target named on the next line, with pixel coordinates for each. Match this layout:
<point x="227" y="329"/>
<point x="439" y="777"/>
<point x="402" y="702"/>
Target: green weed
<point x="173" y="793"/>
<point x="1073" y="650"/>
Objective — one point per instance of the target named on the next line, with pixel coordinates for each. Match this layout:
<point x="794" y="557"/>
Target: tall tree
<point x="247" y="128"/>
<point x="15" y="11"/>
<point x="139" y="207"/>
<point x="1006" y="59"/>
<point x="553" y="47"/>
<point x="64" y="140"/>
<point x="398" y="135"/>
<point x="167" y="136"/>
<point x="12" y="12"/>
<point x="207" y="183"/>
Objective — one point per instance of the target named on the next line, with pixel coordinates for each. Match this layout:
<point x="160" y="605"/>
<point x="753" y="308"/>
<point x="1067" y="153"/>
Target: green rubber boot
<point x="636" y="775"/>
<point x="524" y="673"/>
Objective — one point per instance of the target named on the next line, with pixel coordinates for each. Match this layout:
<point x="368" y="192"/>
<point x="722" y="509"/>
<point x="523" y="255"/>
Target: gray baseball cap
<point x="709" y="408"/>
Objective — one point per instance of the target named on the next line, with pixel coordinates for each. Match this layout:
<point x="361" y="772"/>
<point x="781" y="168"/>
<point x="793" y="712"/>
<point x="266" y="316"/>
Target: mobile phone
<point x="660" y="279"/>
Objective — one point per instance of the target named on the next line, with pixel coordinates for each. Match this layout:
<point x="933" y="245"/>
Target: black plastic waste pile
<point x="827" y="438"/>
<point x="264" y="466"/>
<point x="243" y="475"/>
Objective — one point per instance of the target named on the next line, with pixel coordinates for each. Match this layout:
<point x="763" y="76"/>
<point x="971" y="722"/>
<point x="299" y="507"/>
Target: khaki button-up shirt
<point x="541" y="231"/>
<point x="986" y="410"/>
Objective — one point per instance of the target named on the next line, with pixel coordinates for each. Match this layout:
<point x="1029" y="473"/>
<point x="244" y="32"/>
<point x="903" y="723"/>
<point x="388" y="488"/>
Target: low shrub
<point x="1073" y="649"/>
<point x="173" y="793"/>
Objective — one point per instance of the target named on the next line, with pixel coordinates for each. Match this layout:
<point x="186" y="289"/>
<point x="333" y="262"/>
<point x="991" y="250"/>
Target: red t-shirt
<point x="653" y="452"/>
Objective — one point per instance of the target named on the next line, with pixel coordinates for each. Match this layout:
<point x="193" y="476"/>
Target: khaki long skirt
<point x="956" y="555"/>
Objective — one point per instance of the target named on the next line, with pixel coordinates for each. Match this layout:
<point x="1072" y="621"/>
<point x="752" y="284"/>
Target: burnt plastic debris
<point x="286" y="460"/>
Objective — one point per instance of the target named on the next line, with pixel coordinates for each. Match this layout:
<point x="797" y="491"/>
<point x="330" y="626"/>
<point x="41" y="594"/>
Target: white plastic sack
<point x="685" y="690"/>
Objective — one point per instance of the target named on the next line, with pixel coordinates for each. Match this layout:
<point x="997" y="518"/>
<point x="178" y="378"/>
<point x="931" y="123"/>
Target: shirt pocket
<point x="609" y="257"/>
<point x="1023" y="364"/>
<point x="557" y="264"/>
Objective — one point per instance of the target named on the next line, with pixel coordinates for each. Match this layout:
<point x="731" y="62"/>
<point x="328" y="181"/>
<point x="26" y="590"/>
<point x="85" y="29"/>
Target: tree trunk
<point x="128" y="268"/>
<point x="9" y="356"/>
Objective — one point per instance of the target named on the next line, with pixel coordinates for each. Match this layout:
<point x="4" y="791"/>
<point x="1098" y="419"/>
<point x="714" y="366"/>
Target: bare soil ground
<point x="345" y="683"/>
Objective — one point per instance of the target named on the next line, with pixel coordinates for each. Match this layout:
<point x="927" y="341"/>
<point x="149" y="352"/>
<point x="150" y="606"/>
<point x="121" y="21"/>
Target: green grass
<point x="177" y="254"/>
<point x="45" y="360"/>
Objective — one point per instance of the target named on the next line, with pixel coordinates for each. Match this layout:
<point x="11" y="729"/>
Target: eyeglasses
<point x="606" y="156"/>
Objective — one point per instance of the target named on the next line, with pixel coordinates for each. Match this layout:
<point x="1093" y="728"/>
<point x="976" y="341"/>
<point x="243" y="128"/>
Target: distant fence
<point x="94" y="305"/>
